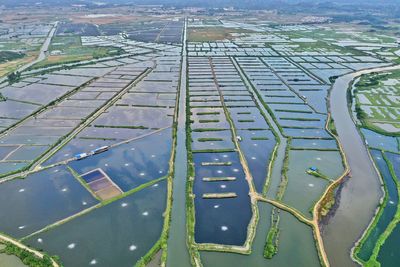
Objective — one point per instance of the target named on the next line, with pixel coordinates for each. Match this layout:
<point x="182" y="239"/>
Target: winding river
<point x="361" y="193"/>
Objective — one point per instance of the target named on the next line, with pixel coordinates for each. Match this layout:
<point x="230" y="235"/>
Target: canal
<point x="178" y="254"/>
<point x="361" y="193"/>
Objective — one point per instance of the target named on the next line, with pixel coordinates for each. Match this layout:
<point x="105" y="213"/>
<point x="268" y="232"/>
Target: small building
<point x="55" y="52"/>
<point x="100" y="150"/>
<point x="239" y="138"/>
<point x="81" y="156"/>
<point x="314" y="169"/>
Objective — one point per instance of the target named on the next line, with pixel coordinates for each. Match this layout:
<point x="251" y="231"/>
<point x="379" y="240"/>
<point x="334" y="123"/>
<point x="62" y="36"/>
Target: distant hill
<point x="208" y="3"/>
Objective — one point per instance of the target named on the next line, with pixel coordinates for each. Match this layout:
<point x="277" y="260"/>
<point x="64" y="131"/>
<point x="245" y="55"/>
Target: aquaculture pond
<point x="314" y="144"/>
<point x="215" y="140"/>
<point x="132" y="164"/>
<point x="303" y="189"/>
<point x="256" y="258"/>
<point x="74" y="147"/>
<point x="389" y="253"/>
<point x="10" y="260"/>
<point x="220" y="220"/>
<point x="6" y="167"/>
<point x="30" y="197"/>
<point x="117" y="234"/>
<point x="379" y="141"/>
<point x="6" y="150"/>
<point x="389" y="210"/>
<point x="292" y="234"/>
<point x="28" y="153"/>
<point x="395" y="161"/>
<point x="306" y="133"/>
<point x="257" y="147"/>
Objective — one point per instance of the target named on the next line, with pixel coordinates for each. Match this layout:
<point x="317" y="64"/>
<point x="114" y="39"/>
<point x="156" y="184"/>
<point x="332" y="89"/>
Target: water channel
<point x="361" y="193"/>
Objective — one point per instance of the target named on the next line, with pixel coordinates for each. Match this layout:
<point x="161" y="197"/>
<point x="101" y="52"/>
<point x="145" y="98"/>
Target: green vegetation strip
<point x="259" y="138"/>
<point x="318" y="174"/>
<point x="272" y="241"/>
<point x="271" y="245"/>
<point x="209" y="139"/>
<point x="208" y="121"/>
<point x="120" y="126"/>
<point x="199" y="130"/>
<point x="285" y="168"/>
<point x="207" y="113"/>
<point x="331" y="126"/>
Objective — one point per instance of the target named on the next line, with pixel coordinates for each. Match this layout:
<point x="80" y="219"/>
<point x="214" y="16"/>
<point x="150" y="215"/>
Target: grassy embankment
<point x="28" y="258"/>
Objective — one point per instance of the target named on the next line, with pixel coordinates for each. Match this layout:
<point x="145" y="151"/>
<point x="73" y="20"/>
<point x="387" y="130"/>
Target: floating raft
<point x="228" y="163"/>
<point x="218" y="179"/>
<point x="220" y="195"/>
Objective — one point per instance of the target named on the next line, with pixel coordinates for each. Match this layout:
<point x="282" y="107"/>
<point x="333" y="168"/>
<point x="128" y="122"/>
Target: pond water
<point x="292" y="233"/>
<point x="314" y="143"/>
<point x="76" y="146"/>
<point x="117" y="234"/>
<point x="10" y="260"/>
<point x="27" y="152"/>
<point x="6" y="167"/>
<point x="379" y="141"/>
<point x="303" y="190"/>
<point x="257" y="153"/>
<point x="306" y="133"/>
<point x="256" y="258"/>
<point x="199" y="142"/>
<point x="221" y="221"/>
<point x="31" y="196"/>
<point x="5" y="150"/>
<point x="132" y="164"/>
<point x="389" y="253"/>
<point x="17" y="110"/>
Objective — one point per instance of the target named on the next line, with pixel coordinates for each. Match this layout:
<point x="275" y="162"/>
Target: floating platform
<point x="218" y="179"/>
<point x="101" y="184"/>
<point x="220" y="195"/>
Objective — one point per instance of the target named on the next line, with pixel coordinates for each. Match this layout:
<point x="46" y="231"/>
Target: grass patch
<point x="208" y="113"/>
<point x="10" y="55"/>
<point x="331" y="126"/>
<point x="271" y="244"/>
<point x="318" y="174"/>
<point x="259" y="138"/>
<point x="208" y="121"/>
<point x="120" y="126"/>
<point x="210" y="139"/>
<point x="69" y="49"/>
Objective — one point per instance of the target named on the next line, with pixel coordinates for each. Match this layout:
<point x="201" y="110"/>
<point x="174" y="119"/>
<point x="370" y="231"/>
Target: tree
<point x="14" y="77"/>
